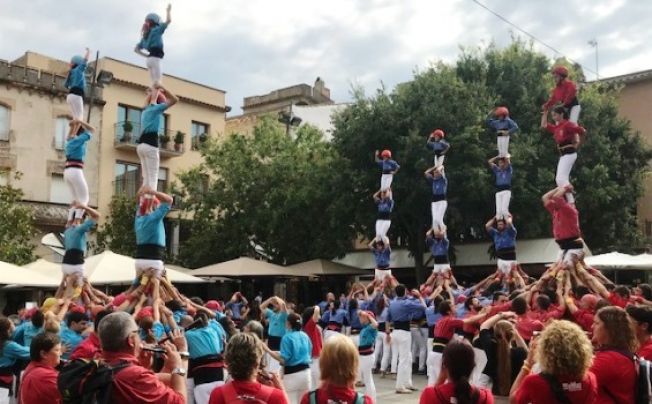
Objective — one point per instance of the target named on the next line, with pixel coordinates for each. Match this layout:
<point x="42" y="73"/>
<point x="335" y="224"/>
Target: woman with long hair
<point x="564" y="353"/>
<point x="613" y="364"/>
<point x="505" y="349"/>
<point x="310" y="319"/>
<point x="453" y="385"/>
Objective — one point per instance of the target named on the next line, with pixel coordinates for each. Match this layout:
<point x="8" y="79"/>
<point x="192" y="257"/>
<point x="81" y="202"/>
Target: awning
<point x="321" y="267"/>
<point x="11" y="274"/>
<point x="619" y="261"/>
<point x="245" y="266"/>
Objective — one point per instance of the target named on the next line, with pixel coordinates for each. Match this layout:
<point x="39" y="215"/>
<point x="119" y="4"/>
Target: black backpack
<point x="84" y="381"/>
<point x="643" y="380"/>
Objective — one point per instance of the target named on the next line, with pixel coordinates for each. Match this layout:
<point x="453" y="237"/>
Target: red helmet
<point x="560" y="70"/>
<point x="502" y="111"/>
<point x="438" y="132"/>
<point x="386" y="153"/>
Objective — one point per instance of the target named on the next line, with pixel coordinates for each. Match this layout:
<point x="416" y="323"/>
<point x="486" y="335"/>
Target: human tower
<point x="564" y="107"/>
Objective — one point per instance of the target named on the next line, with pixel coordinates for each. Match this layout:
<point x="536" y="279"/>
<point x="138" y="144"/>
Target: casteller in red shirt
<point x="584" y="318"/>
<point x="526" y="326"/>
<point x="314" y="333"/>
<point x="616" y="376"/>
<point x="565" y="218"/>
<point x="446" y="326"/>
<point x="444" y="394"/>
<point x="39" y="385"/>
<point x="536" y="390"/>
<point x="564" y="132"/>
<point x="645" y="350"/>
<point x="265" y="394"/>
<point x="564" y="92"/>
<point x="135" y="384"/>
<point x="87" y="349"/>
<point x="327" y="393"/>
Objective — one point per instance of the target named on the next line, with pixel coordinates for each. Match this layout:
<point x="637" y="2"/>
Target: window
<point x="61" y="129"/>
<point x="133" y="115"/>
<point x="128" y="178"/>
<point x="59" y="192"/>
<point x="196" y="130"/>
<point x="4" y="122"/>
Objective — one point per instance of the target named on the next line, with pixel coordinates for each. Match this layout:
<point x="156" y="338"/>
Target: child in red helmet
<point x="504" y="126"/>
<point x="438" y="145"/>
<point x="389" y="167"/>
<point x="564" y="93"/>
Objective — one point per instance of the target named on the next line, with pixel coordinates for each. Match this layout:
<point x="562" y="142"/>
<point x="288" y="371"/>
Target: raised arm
<point x="162" y="196"/>
<point x="84" y="125"/>
<point x="490" y="224"/>
<point x="87" y="54"/>
<point x="377" y="158"/>
<point x="555" y="193"/>
<point x="376" y="196"/>
<point x="168" y="11"/>
<point x="171" y="98"/>
<point x="491" y="321"/>
<point x="544" y="119"/>
<point x="156" y="300"/>
<point x="92" y="212"/>
<point x="492" y="162"/>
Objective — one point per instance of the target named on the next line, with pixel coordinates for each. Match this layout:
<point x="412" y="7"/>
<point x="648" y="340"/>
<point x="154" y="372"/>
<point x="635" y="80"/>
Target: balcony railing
<point x="126" y="140"/>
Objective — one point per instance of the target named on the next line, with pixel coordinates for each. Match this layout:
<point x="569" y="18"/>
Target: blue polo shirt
<point x="439" y="185"/>
<point x="504" y="239"/>
<point x="70" y="338"/>
<point x="437" y="145"/>
<point x="276" y="322"/>
<point x="503" y="177"/>
<point x="76" y="146"/>
<point x="382" y="317"/>
<point x="149" y="228"/>
<point x="382" y="257"/>
<point x="385" y="205"/>
<point x="388" y="166"/>
<point x="25" y="332"/>
<point x="155" y="37"/>
<point x="206" y="341"/>
<point x="503" y="124"/>
<point x="150" y="118"/>
<point x="235" y="309"/>
<point x="12" y="352"/>
<point x="368" y="336"/>
<point x="340" y="316"/>
<point x="74" y="237"/>
<point x="403" y="309"/>
<point x="438" y="247"/>
<point x="431" y="315"/>
<point x="296" y="348"/>
<point x="76" y="77"/>
<point x="158" y="330"/>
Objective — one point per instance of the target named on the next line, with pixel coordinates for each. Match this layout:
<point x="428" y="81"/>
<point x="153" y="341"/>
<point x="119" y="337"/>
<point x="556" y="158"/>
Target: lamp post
<point x="289" y="119"/>
<point x="99" y="80"/>
<point x="594" y="43"/>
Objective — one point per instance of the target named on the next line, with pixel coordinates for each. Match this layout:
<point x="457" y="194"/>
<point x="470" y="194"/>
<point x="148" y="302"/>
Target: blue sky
<point x="252" y="47"/>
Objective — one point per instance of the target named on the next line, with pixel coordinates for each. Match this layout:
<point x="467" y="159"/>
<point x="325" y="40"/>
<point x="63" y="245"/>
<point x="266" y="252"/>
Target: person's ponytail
<point x="464" y="393"/>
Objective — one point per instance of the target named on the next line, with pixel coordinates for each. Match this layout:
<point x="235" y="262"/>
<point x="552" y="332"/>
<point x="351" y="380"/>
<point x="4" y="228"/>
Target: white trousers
<point x="440" y="268"/>
<point x="568" y="256"/>
<point x="419" y="347"/>
<point x="402" y="342"/>
<point x="149" y="163"/>
<point x="330" y="333"/>
<point x="574" y="113"/>
<point x="74" y="178"/>
<point x="439" y="160"/>
<point x="505" y="266"/>
<point x="503" y="145"/>
<point x="315" y="372"/>
<point x="143" y="265"/>
<point x="394" y="357"/>
<point x="434" y="366"/>
<point x="76" y="104"/>
<point x="381" y="274"/>
<point x="386" y="181"/>
<point x="502" y="203"/>
<point x="200" y="394"/>
<point x="382" y="227"/>
<point x="272" y="364"/>
<point x="366" y="366"/>
<point x="356" y="341"/>
<point x="296" y="385"/>
<point x="154" y="69"/>
<point x="438" y="210"/>
<point x="382" y="351"/>
<point x="564" y="167"/>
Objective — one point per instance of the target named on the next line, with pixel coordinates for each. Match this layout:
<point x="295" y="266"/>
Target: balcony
<point x="128" y="140"/>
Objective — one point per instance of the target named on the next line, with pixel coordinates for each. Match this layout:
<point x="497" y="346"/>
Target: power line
<point x="552" y="48"/>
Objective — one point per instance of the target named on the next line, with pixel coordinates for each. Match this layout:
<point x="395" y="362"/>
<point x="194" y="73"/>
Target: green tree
<point x="16" y="227"/>
<point x="458" y="98"/>
<point x="117" y="233"/>
<point x="267" y="193"/>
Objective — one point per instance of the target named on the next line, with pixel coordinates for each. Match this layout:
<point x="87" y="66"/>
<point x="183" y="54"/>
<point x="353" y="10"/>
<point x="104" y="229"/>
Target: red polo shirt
<point x="526" y="326"/>
<point x="584" y="318"/>
<point x="645" y="350"/>
<point x="617" y="300"/>
<point x="39" y="385"/>
<point x="536" y="390"/>
<point x="328" y="393"/>
<point x="564" y="92"/>
<point x="135" y="384"/>
<point x="251" y="389"/>
<point x="88" y="348"/>
<point x="616" y="375"/>
<point x="445" y="393"/>
<point x="499" y="308"/>
<point x="565" y="219"/>
<point x="315" y="337"/>
<point x="564" y="132"/>
<point x="446" y="326"/>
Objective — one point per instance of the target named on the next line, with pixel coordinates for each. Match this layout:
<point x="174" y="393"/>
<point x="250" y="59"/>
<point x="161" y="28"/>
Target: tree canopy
<point x="16" y="227"/>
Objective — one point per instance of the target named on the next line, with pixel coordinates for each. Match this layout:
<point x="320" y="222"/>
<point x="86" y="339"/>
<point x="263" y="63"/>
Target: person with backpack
<point x="339" y="365"/>
<point x="131" y="383"/>
<point x="614" y="363"/>
<point x="564" y="353"/>
<point x="242" y="357"/>
<point x="453" y="383"/>
<point x="39" y="382"/>
<point x="642" y="318"/>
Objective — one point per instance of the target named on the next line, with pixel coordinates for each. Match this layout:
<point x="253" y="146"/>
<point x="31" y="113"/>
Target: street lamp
<point x="594" y="43"/>
<point x="99" y="80"/>
<point x="289" y="119"/>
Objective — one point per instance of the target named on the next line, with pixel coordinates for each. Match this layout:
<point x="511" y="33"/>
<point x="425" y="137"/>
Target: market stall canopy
<point x="245" y="266"/>
<point x="11" y="274"/>
<point x="108" y="268"/>
<point x="321" y="267"/>
<point x="620" y="261"/>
